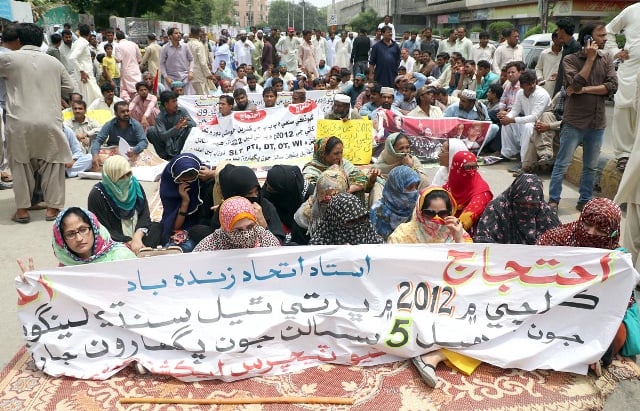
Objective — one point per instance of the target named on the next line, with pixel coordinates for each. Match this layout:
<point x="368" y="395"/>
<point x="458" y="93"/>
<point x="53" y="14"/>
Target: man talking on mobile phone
<point x="589" y="78"/>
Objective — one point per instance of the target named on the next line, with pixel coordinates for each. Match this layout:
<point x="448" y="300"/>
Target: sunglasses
<point x="432" y="213"/>
<point x="469" y="167"/>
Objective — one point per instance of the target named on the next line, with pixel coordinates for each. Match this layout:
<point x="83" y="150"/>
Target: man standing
<point x="320" y="45"/>
<point x="274" y="38"/>
<point x="428" y="43"/>
<point x="386" y="22"/>
<point x="54" y="46"/>
<point x="256" y="56"/>
<point x="176" y="61"/>
<point x="508" y="52"/>
<point x="172" y="128"/>
<point x="548" y="63"/>
<point x="65" y="51"/>
<point x="122" y="126"/>
<point x="464" y="45"/>
<point x="130" y="58"/>
<point x="243" y="49"/>
<point x="625" y="110"/>
<point x="201" y="71"/>
<point x="152" y="55"/>
<point x="287" y="50"/>
<point x="570" y="45"/>
<point x="360" y="53"/>
<point x="589" y="77"/>
<point x="343" y="51"/>
<point x="384" y="59"/>
<point x="307" y="56"/>
<point x="483" y="50"/>
<point x="34" y="133"/>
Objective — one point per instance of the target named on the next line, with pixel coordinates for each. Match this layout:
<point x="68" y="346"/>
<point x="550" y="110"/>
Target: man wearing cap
<point x="469" y="108"/>
<point x="287" y="50"/>
<point x="425" y="107"/>
<point x="384" y="59"/>
<point x="342" y="109"/>
<point x="302" y="82"/>
<point x="517" y="129"/>
<point x="243" y="49"/>
<point x="356" y="88"/>
<point x="151" y="55"/>
<point x="307" y="56"/>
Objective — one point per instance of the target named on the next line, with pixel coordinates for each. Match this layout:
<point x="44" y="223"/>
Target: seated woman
<point x="331" y="182"/>
<point x="471" y="192"/>
<point x="242" y="181"/>
<point x="287" y="190"/>
<point x="396" y="153"/>
<point x="79" y="238"/>
<point x="120" y="204"/>
<point x="346" y="221"/>
<point x="433" y="222"/>
<point x="398" y="200"/>
<point x="327" y="152"/>
<point x="239" y="229"/>
<point x="448" y="149"/>
<point x="599" y="226"/>
<point x="180" y="196"/>
<point x="518" y="215"/>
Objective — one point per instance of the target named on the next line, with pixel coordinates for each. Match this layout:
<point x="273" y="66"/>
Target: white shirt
<point x="409" y="64"/>
<point x="548" y="64"/>
<point x="532" y="106"/>
<point x="393" y="29"/>
<point x="242" y="52"/>
<point x="464" y="47"/>
<point x="505" y="54"/>
<point x="483" y="53"/>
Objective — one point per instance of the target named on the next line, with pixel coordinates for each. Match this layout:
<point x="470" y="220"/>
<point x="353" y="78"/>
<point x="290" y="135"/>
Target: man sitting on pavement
<point x="122" y="126"/>
<point x="544" y="142"/>
<point x="342" y="109"/>
<point x="407" y="102"/>
<point x="469" y="108"/>
<point x="426" y="107"/>
<point x="84" y="128"/>
<point x="172" y="128"/>
<point x="80" y="160"/>
<point x="107" y="101"/>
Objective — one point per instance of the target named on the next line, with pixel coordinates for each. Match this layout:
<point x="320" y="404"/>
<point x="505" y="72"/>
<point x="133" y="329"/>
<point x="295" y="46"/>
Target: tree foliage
<point x="283" y="14"/>
<point x="495" y="28"/>
<point x="367" y="20"/>
<point x="537" y="29"/>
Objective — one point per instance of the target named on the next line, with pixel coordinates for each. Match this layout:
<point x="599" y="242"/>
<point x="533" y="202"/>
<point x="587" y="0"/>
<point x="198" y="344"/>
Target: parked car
<point x="533" y="46"/>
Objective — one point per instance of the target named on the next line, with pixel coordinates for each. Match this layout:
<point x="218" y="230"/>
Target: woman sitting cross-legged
<point x="239" y="228"/>
<point x="120" y="204"/>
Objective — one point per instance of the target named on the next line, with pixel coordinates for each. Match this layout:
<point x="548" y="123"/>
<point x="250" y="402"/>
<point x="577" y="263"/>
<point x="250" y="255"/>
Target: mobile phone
<point x="586" y="40"/>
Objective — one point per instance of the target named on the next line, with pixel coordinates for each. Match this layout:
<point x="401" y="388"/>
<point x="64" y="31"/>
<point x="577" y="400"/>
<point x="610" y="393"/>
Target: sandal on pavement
<point x="554" y="206"/>
<point x="6" y="177"/>
<point x="21" y="220"/>
<point x="51" y="217"/>
<point x="427" y="371"/>
<point x="621" y="163"/>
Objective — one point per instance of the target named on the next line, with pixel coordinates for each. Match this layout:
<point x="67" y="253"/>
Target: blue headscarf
<point x="396" y="205"/>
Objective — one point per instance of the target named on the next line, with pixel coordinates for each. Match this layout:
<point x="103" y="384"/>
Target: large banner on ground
<point x="242" y="313"/>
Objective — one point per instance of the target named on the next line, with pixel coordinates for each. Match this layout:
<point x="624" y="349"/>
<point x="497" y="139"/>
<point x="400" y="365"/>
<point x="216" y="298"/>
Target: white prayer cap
<point x="342" y="98"/>
<point x="468" y="94"/>
<point x="242" y="32"/>
<point x="386" y="90"/>
<point x="260" y="31"/>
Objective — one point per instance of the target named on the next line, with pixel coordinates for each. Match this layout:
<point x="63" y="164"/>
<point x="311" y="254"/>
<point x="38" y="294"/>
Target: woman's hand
<point x="259" y="216"/>
<point x="135" y="244"/>
<point x="24" y="268"/>
<point x="183" y="190"/>
<point x="455" y="228"/>
<point x="407" y="160"/>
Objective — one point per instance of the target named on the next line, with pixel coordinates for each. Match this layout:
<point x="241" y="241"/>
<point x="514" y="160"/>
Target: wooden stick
<point x="236" y="401"/>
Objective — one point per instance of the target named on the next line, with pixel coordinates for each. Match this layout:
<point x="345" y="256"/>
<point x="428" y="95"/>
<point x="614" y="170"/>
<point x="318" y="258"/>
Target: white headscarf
<point x="442" y="175"/>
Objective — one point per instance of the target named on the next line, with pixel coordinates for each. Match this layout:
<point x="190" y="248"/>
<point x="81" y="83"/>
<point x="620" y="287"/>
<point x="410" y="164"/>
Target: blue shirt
<point x="386" y="59"/>
<point x="74" y="144"/>
<point x="455" y="111"/>
<point x="489" y="79"/>
<point x="110" y="133"/>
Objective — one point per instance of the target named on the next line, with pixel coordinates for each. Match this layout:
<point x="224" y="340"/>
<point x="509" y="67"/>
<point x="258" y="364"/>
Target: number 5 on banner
<point x="399" y="334"/>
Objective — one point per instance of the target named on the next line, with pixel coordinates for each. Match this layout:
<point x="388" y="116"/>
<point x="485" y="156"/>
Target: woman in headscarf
<point x="121" y="206"/>
<point x="346" y="221"/>
<point x="599" y="226"/>
<point x="239" y="228"/>
<point x="327" y="152"/>
<point x="79" y="238"/>
<point x="287" y="190"/>
<point x="331" y="182"/>
<point x="396" y="153"/>
<point x="180" y="196"/>
<point x="398" y="200"/>
<point x="471" y="192"/>
<point x="517" y="216"/>
<point x="242" y="181"/>
<point x="433" y="222"/>
<point x="448" y="149"/>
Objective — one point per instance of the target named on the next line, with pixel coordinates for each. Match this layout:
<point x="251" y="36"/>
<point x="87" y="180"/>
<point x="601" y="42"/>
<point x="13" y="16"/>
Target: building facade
<point x="248" y="13"/>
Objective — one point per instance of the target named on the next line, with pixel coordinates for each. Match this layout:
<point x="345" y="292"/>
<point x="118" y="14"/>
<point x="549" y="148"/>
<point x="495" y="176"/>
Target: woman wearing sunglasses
<point x="470" y="191"/>
<point x="433" y="222"/>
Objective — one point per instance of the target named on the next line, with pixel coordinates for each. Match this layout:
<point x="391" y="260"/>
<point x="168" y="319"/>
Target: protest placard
<point x="355" y="136"/>
<point x="241" y="313"/>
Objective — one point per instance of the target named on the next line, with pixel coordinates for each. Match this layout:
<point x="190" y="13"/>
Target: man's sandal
<point x="426" y="371"/>
<point x="621" y="163"/>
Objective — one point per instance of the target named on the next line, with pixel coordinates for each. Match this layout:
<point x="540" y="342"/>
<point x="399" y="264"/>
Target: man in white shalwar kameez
<point x="343" y="51"/>
<point x="288" y="50"/>
<point x="80" y="58"/>
<point x="625" y="111"/>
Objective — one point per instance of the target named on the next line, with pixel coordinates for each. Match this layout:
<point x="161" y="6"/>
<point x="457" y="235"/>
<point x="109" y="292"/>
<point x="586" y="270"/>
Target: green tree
<point x="283" y="14"/>
<point x="495" y="28"/>
<point x="367" y="20"/>
<point x="538" y="29"/>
